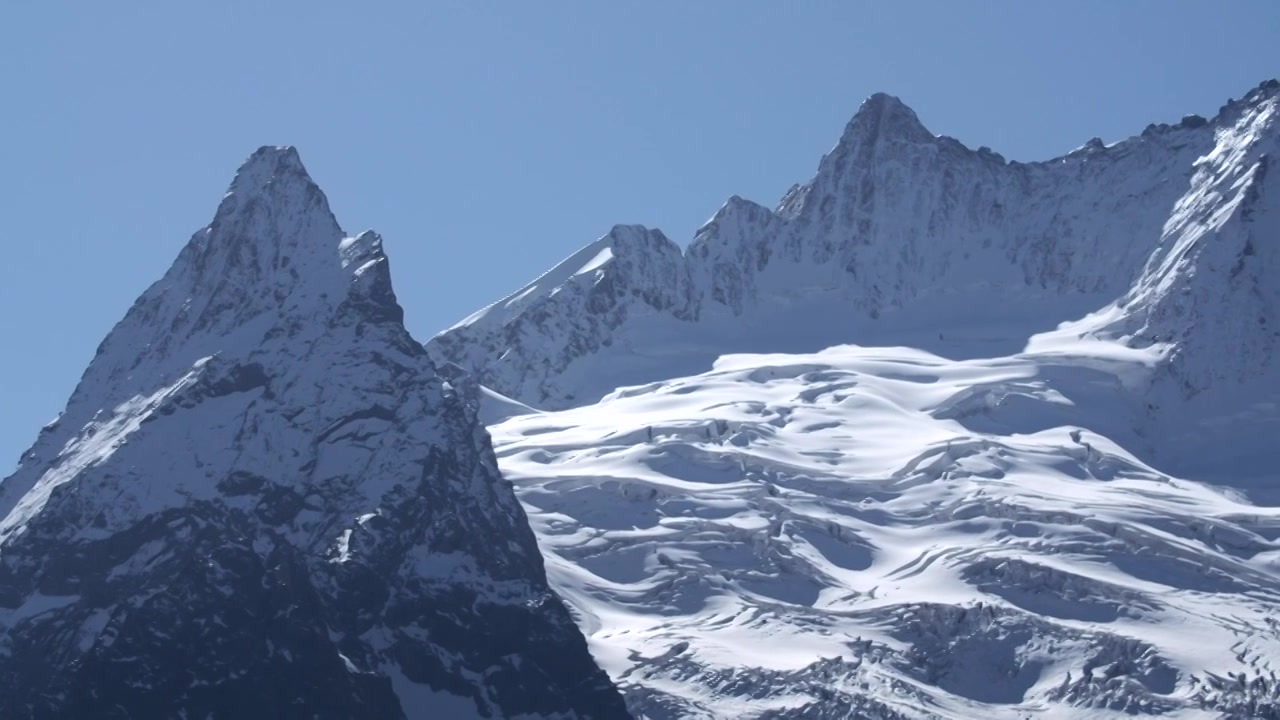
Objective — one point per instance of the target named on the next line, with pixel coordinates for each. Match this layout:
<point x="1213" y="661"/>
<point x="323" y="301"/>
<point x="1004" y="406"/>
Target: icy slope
<point x="884" y="533"/>
<point x="907" y="237"/>
<point x="262" y="501"/>
<point x="996" y="510"/>
<point x="1210" y="295"/>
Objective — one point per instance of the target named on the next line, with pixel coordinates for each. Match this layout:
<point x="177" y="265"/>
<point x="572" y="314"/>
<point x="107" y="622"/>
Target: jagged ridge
<point x="263" y="501"/>
<point x="903" y="237"/>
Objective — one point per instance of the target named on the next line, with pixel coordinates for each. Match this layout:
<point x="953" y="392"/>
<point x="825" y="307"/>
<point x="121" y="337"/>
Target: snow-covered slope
<point x="907" y="237"/>
<point x="884" y="533"/>
<point x="262" y="501"/>
<point x="577" y="309"/>
<point x="997" y="503"/>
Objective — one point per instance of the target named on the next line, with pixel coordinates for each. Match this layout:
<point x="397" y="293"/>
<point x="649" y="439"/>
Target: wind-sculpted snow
<point x="886" y="533"/>
<point x="1166" y="240"/>
<point x="262" y="501"/>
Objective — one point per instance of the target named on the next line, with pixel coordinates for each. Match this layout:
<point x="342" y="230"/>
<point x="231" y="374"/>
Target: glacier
<point x="939" y="435"/>
<point x="887" y="533"/>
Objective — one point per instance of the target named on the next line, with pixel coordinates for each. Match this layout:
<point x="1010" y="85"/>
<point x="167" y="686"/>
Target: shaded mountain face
<point x="263" y="501"/>
<point x="1167" y="240"/>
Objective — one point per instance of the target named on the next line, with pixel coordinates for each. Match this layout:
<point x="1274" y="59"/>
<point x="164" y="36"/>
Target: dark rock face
<point x="263" y="501"/>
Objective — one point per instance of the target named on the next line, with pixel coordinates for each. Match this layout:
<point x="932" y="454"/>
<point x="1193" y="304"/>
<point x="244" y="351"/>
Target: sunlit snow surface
<point x="883" y="532"/>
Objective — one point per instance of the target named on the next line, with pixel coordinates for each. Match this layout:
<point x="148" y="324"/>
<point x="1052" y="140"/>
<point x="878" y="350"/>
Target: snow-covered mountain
<point x="907" y="237"/>
<point x="933" y="438"/>
<point x="263" y="501"/>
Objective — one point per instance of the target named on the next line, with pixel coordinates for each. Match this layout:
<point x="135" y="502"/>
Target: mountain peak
<point x="884" y="100"/>
<point x="883" y="115"/>
<point x="268" y="164"/>
<point x="1265" y="89"/>
<point x="263" y="498"/>
<point x="273" y="227"/>
<point x="272" y="263"/>
<point x="273" y="176"/>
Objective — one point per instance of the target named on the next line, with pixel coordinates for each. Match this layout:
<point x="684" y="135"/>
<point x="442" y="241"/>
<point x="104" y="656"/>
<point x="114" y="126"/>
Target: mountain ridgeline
<point x="263" y="501"/>
<point x="940" y="436"/>
<point x="1165" y="240"/>
<point x="968" y="458"/>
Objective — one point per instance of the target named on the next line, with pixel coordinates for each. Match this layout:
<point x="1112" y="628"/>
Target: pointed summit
<point x="272" y="199"/>
<point x="262" y="500"/>
<point x="883" y="127"/>
<point x="882" y="115"/>
<point x="273" y="256"/>
<point x="274" y="179"/>
<point x="267" y="164"/>
<point x="881" y="102"/>
<point x="273" y="263"/>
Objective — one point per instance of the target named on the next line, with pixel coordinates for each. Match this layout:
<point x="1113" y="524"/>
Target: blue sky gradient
<point x="486" y="141"/>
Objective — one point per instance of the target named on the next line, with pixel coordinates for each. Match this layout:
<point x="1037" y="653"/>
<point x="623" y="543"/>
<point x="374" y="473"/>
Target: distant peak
<point x="627" y="231"/>
<point x="736" y="205"/>
<point x="274" y="153"/>
<point x="635" y="234"/>
<point x="272" y="259"/>
<point x="273" y="229"/>
<point x="887" y="107"/>
<point x="883" y="101"/>
<point x="1265" y="92"/>
<point x="883" y="115"/>
<point x="629" y="240"/>
<point x="269" y="164"/>
<point x="273" y="181"/>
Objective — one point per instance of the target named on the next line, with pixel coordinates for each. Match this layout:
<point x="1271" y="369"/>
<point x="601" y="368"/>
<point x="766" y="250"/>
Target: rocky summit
<point x="263" y="501"/>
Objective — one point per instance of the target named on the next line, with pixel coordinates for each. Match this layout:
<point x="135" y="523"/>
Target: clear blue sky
<point x="486" y="141"/>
